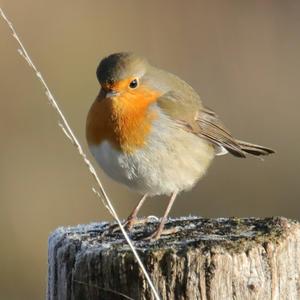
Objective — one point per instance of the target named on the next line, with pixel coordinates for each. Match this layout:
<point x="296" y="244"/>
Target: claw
<point x="158" y="233"/>
<point x="128" y="225"/>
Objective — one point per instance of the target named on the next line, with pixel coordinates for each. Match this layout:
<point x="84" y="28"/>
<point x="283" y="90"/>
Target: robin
<point x="149" y="130"/>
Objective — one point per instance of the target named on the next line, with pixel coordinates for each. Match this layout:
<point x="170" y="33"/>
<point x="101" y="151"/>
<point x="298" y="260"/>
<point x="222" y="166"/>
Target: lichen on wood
<point x="223" y="258"/>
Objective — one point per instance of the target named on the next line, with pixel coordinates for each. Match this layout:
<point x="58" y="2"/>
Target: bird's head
<point x="122" y="73"/>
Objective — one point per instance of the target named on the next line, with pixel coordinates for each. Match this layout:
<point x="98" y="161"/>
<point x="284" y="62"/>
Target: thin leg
<point x="132" y="217"/>
<point x="157" y="233"/>
<point x="131" y="220"/>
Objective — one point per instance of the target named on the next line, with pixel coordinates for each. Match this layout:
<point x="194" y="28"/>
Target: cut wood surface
<point x="224" y="258"/>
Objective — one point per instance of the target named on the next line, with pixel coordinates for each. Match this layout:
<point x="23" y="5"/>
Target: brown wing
<point x="198" y="120"/>
<point x="203" y="122"/>
<point x="211" y="128"/>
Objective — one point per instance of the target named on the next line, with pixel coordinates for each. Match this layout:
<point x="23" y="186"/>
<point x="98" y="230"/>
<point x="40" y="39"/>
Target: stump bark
<point x="225" y="258"/>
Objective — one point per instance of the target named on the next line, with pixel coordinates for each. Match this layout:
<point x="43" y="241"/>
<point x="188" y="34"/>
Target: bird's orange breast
<point x="124" y="121"/>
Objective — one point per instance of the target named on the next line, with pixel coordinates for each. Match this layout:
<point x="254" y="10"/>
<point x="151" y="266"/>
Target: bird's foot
<point x="128" y="225"/>
<point x="158" y="233"/>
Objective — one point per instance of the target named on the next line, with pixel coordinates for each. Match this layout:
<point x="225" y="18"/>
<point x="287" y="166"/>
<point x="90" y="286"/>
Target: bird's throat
<point x="125" y="121"/>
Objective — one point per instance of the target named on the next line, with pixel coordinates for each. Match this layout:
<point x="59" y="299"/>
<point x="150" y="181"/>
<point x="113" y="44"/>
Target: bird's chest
<point x="124" y="122"/>
<point x="171" y="159"/>
<point x="134" y="168"/>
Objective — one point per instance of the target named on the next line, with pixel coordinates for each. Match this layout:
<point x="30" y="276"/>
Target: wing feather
<point x="203" y="122"/>
<point x="191" y="115"/>
<point x="211" y="128"/>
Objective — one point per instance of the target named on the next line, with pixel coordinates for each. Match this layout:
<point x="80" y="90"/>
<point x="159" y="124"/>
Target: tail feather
<point x="253" y="149"/>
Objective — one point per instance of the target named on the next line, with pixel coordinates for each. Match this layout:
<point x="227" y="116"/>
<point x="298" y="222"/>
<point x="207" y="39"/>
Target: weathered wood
<point x="226" y="258"/>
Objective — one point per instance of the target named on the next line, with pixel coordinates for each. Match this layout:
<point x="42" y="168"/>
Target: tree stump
<point x="224" y="258"/>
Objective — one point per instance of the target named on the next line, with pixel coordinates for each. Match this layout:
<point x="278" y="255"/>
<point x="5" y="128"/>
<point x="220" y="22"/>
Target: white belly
<point x="172" y="160"/>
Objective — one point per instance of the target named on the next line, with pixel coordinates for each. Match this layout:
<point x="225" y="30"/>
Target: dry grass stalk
<point x="64" y="125"/>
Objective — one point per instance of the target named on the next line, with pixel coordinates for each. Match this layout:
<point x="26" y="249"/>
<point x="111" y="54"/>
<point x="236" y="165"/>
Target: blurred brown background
<point x="242" y="57"/>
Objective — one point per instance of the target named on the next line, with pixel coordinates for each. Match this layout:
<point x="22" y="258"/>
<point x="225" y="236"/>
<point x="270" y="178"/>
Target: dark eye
<point x="133" y="84"/>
